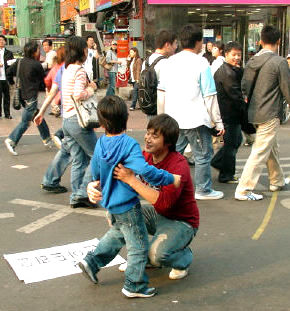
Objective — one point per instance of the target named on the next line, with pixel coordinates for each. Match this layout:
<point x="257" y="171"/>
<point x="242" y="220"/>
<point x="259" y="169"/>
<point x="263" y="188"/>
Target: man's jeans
<point x="169" y="245"/>
<point x="127" y="229"/>
<point x="80" y="144"/>
<point x="201" y="145"/>
<point x="112" y="84"/>
<point x="26" y="119"/>
<point x="225" y="159"/>
<point x="264" y="151"/>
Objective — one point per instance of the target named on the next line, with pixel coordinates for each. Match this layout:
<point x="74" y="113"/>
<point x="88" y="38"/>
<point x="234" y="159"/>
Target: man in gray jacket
<point x="265" y="82"/>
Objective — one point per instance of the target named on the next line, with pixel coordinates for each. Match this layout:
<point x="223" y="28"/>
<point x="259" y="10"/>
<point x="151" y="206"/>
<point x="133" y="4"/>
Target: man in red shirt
<point x="172" y="217"/>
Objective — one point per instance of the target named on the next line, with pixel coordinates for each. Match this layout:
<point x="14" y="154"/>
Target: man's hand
<point x="177" y="180"/>
<point x="221" y="132"/>
<point x="124" y="174"/>
<point x="94" y="194"/>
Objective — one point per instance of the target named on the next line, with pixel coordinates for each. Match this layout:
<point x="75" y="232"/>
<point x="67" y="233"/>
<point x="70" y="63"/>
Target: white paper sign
<point x="53" y="262"/>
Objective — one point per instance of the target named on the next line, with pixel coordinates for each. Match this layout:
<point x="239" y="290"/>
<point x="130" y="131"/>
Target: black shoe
<point x="8" y="117"/>
<point x="83" y="202"/>
<point x="54" y="189"/>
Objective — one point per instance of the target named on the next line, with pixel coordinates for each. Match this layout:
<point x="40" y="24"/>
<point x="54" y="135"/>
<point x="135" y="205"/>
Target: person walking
<point x="134" y="65"/>
<point x="50" y="55"/>
<point x="265" y="100"/>
<point x="111" y="58"/>
<point x="5" y="58"/>
<point x="31" y="76"/>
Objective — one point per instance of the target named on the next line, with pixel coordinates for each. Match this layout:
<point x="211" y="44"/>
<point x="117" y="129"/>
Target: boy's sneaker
<point x="48" y="143"/>
<point x="147" y="293"/>
<point x="54" y="189"/>
<point x="274" y="188"/>
<point x="87" y="272"/>
<point x="56" y="140"/>
<point x="213" y="195"/>
<point x="10" y="146"/>
<point x="178" y="274"/>
<point x="249" y="196"/>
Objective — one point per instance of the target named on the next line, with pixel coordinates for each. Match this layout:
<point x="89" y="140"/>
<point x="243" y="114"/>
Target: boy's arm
<point x="95" y="167"/>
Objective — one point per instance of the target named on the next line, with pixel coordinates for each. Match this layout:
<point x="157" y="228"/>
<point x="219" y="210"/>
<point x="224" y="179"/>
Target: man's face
<point x="90" y="43"/>
<point x="154" y="142"/>
<point x="46" y="47"/>
<point x="234" y="57"/>
<point x="2" y="43"/>
<point x="171" y="48"/>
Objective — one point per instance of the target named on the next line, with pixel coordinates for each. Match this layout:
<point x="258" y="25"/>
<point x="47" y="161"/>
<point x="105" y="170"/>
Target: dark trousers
<point x="4" y="90"/>
<point x="225" y="159"/>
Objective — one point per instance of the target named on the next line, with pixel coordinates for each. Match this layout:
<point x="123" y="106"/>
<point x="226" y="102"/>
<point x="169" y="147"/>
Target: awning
<point x="105" y="4"/>
<point x="243" y="2"/>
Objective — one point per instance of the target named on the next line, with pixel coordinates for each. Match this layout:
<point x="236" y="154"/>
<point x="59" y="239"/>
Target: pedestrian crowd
<point x="189" y="98"/>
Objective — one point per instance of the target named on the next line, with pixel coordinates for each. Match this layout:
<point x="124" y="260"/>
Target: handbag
<point x="87" y="112"/>
<point x="16" y="102"/>
<point x="103" y="63"/>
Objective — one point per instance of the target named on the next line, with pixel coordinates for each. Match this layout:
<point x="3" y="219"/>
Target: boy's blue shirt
<point x="119" y="197"/>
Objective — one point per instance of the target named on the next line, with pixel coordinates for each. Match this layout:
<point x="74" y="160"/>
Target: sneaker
<point x="234" y="180"/>
<point x="54" y="189"/>
<point x="147" y="293"/>
<point x="178" y="274"/>
<point x="87" y="272"/>
<point x="48" y="143"/>
<point x="132" y="108"/>
<point x="56" y="140"/>
<point x="10" y="146"/>
<point x="123" y="267"/>
<point x="213" y="195"/>
<point x="249" y="196"/>
<point x="274" y="188"/>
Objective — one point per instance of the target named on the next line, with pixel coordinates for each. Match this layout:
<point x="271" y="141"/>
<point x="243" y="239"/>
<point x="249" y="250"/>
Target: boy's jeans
<point x="127" y="229"/>
<point x="27" y="115"/>
<point x="112" y="83"/>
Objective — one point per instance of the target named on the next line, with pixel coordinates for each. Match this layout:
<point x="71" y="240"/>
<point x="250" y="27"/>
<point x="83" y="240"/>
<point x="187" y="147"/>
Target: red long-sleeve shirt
<point x="176" y="203"/>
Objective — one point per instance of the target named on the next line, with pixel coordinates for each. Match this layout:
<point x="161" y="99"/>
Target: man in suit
<point x="5" y="56"/>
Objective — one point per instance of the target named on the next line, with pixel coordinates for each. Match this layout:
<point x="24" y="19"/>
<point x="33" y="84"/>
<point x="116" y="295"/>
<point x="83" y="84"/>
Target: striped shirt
<point x="74" y="82"/>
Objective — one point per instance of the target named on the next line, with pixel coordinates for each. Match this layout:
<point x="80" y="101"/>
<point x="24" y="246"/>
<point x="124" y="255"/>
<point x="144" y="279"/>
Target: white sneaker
<point x="48" y="143"/>
<point x="10" y="146"/>
<point x="274" y="188"/>
<point x="178" y="274"/>
<point x="249" y="196"/>
<point x="87" y="272"/>
<point x="123" y="267"/>
<point x="56" y="141"/>
<point x="213" y="195"/>
<point x="147" y="293"/>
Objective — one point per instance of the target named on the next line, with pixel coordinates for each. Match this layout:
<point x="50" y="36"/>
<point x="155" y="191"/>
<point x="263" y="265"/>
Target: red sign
<point x="67" y="9"/>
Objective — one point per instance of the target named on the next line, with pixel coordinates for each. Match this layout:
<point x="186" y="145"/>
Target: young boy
<point x="128" y="227"/>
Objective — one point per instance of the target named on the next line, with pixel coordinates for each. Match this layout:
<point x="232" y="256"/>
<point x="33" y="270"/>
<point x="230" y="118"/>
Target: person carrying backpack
<point x="148" y="95"/>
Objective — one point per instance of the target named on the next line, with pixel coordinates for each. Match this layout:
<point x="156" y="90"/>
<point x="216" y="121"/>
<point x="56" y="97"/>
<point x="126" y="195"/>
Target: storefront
<point x="221" y="20"/>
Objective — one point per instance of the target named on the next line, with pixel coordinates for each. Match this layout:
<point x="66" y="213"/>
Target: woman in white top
<point x="218" y="53"/>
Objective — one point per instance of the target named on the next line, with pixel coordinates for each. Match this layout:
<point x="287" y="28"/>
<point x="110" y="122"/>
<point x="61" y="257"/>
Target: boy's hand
<point x="177" y="180"/>
<point x="94" y="194"/>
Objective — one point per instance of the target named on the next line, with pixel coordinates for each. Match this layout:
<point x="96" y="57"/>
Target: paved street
<point x="241" y="250"/>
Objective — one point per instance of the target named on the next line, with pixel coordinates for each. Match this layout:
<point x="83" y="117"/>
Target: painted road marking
<point x="61" y="211"/>
<point x="286" y="203"/>
<point x="19" y="167"/>
<point x="267" y="217"/>
<point x="281" y="159"/>
<point x="6" y="215"/>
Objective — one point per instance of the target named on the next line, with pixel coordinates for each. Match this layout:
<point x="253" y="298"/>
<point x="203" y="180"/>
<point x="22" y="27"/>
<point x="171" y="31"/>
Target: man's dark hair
<point x="113" y="114"/>
<point x="89" y="36"/>
<point x="189" y="35"/>
<point x="30" y="48"/>
<point x="75" y="50"/>
<point x="233" y="45"/>
<point x="48" y="41"/>
<point x="270" y="34"/>
<point x="3" y="37"/>
<point x="163" y="37"/>
<point x="168" y="127"/>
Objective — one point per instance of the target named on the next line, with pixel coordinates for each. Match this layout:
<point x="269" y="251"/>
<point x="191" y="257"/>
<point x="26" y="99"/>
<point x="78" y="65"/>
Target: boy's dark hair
<point x="113" y="114"/>
<point x="233" y="45"/>
<point x="168" y="127"/>
<point x="75" y="50"/>
<point x="48" y="41"/>
<point x="189" y="35"/>
<point x="30" y="48"/>
<point x="270" y="34"/>
<point x="3" y="37"/>
<point x="163" y="37"/>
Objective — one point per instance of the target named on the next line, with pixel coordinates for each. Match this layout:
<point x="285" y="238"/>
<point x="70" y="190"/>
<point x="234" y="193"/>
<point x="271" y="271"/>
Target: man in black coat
<point x="5" y="56"/>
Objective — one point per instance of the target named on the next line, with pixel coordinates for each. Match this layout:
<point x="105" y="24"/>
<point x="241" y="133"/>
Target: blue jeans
<point x="26" y="119"/>
<point x="201" y="145"/>
<point x="135" y="94"/>
<point x="112" y="83"/>
<point x="169" y="245"/>
<point x="127" y="229"/>
<point x="225" y="159"/>
<point x="80" y="144"/>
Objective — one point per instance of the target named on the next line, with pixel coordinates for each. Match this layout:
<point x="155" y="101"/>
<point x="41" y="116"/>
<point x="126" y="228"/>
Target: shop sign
<point x="208" y="33"/>
<point x="219" y="2"/>
<point x="104" y="4"/>
<point x="8" y="18"/>
<point x="67" y="9"/>
<point x="84" y="7"/>
<point x="90" y="27"/>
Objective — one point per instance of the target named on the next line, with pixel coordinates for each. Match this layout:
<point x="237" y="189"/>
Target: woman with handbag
<point x="78" y="142"/>
<point x="111" y="58"/>
<point x="134" y="65"/>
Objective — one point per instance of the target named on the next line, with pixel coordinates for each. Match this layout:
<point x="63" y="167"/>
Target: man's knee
<point x="157" y="253"/>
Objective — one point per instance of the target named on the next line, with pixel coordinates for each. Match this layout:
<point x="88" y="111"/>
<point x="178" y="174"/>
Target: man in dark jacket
<point x="265" y="82"/>
<point x="5" y="57"/>
<point x="228" y="84"/>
